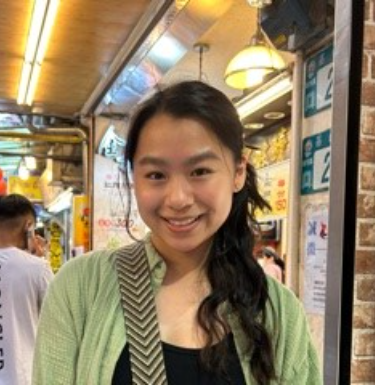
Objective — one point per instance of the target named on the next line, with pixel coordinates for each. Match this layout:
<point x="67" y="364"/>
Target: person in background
<point x="216" y="317"/>
<point x="272" y="264"/>
<point x="24" y="278"/>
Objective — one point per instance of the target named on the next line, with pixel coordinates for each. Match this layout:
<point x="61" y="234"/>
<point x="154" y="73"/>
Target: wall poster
<point x="110" y="204"/>
<point x="315" y="260"/>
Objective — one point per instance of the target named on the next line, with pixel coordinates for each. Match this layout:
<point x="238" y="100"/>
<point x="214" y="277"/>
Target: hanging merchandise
<point x="56" y="250"/>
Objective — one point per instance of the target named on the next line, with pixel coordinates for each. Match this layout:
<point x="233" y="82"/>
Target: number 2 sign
<point x="318" y="82"/>
<point x="316" y="163"/>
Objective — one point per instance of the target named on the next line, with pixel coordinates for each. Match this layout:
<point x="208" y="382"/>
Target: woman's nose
<point x="179" y="193"/>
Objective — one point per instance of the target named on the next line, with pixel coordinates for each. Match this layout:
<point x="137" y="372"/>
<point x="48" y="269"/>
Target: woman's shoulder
<point x="284" y="301"/>
<point x="296" y="358"/>
<point x="99" y="257"/>
<point x="95" y="265"/>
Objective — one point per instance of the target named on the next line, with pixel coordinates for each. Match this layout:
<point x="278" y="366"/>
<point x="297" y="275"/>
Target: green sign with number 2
<point x="316" y="163"/>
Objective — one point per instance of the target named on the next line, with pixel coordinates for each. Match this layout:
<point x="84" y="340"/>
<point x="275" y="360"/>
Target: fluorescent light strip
<point x="33" y="83"/>
<point x="253" y="103"/>
<point x="47" y="28"/>
<point x="44" y="14"/>
<point x="35" y="29"/>
<point x="25" y="76"/>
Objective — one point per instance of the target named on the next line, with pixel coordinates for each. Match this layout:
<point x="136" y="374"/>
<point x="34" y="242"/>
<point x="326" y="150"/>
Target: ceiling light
<point x="264" y="95"/>
<point x="249" y="67"/>
<point x="43" y="17"/>
<point x="274" y="115"/>
<point x="254" y="126"/>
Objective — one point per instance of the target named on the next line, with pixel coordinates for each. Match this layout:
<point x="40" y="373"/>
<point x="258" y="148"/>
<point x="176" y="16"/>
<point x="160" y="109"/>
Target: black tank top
<point x="183" y="368"/>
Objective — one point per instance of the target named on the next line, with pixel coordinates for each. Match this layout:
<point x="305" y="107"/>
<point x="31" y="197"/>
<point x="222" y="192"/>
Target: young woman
<point x="219" y="319"/>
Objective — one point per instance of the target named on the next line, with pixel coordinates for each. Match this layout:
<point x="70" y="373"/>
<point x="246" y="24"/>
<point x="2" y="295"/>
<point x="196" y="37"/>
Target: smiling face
<point x="184" y="181"/>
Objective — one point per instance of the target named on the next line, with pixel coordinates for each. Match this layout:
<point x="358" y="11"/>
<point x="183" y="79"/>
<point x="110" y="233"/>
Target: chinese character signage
<point x="316" y="163"/>
<point x="315" y="260"/>
<point x="30" y="187"/>
<point x="273" y="186"/>
<point x="318" y="82"/>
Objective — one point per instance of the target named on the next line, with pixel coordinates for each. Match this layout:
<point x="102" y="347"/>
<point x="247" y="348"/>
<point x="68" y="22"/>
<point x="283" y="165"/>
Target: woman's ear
<point x="240" y="176"/>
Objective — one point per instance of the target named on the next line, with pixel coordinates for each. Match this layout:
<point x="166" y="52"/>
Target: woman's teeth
<point x="180" y="222"/>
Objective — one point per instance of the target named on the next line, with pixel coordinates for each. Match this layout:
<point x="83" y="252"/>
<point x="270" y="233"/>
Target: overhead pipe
<point x="21" y="136"/>
<point x="82" y="139"/>
<point x="63" y="158"/>
<point x="63" y="135"/>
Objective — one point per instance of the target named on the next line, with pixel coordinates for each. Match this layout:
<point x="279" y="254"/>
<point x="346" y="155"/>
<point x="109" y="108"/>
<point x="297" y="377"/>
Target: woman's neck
<point x="181" y="263"/>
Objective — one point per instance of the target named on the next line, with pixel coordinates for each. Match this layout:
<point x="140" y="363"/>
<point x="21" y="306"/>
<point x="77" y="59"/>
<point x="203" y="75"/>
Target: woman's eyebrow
<point x="203" y="156"/>
<point x="152" y="160"/>
<point x="191" y="161"/>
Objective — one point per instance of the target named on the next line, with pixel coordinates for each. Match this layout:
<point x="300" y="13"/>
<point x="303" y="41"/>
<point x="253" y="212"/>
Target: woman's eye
<point x="155" y="175"/>
<point x="201" y="172"/>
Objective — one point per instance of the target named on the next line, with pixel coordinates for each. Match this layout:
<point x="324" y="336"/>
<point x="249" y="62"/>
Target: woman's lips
<point x="183" y="224"/>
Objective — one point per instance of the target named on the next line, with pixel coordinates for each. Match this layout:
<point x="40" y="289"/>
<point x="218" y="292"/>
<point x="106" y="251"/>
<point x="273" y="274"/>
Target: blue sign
<point x="318" y="82"/>
<point x="316" y="163"/>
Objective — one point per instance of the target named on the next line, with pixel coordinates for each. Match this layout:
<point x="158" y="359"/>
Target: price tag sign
<point x="318" y="82"/>
<point x="316" y="163"/>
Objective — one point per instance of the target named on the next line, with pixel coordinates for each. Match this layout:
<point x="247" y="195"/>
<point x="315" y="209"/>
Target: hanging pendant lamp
<point x="248" y="68"/>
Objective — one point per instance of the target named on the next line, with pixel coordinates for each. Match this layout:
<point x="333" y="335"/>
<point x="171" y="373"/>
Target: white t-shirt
<point x="23" y="282"/>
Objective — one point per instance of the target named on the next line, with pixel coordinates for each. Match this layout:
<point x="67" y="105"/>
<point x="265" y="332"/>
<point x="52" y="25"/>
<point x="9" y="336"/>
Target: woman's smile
<point x="182" y="224"/>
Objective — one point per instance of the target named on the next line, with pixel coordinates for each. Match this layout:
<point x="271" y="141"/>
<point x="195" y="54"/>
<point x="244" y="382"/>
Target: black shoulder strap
<point x="138" y="303"/>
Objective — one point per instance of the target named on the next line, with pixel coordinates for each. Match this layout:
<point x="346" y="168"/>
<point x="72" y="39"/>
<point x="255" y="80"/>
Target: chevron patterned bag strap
<point x="137" y="299"/>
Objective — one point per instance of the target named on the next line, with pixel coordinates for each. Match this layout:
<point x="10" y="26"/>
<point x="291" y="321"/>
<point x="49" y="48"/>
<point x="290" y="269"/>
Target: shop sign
<point x="316" y="163"/>
<point x="30" y="187"/>
<point x="318" y="82"/>
<point x="274" y="186"/>
<point x="315" y="260"/>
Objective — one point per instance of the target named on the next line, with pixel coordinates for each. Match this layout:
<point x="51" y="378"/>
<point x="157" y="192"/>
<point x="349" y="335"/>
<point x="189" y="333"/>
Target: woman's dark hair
<point x="235" y="276"/>
<point x="14" y="206"/>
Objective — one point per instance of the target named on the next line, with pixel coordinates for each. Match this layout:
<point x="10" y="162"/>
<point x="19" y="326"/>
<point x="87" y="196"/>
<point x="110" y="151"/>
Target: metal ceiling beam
<point x="63" y="158"/>
<point x="17" y="136"/>
<point x="149" y="20"/>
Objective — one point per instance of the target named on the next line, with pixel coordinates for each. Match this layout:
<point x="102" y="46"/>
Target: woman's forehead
<point x="188" y="141"/>
<point x="164" y="128"/>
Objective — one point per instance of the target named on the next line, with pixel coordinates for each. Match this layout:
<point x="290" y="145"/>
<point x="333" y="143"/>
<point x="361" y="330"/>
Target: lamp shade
<point x="248" y="68"/>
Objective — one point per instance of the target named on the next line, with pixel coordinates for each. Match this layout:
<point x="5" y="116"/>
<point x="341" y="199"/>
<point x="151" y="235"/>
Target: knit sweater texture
<point x="81" y="331"/>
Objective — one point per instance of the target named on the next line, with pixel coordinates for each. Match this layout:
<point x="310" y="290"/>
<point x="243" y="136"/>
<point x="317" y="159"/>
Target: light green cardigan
<point x="81" y="331"/>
